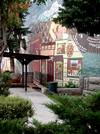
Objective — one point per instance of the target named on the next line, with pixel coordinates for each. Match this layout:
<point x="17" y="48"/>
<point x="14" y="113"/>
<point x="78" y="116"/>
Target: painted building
<point x="52" y="39"/>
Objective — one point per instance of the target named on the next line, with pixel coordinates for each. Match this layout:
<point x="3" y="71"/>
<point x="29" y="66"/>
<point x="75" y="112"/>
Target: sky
<point x="42" y="12"/>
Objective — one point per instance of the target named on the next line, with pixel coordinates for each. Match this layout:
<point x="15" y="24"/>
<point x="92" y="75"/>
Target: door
<point x="50" y="71"/>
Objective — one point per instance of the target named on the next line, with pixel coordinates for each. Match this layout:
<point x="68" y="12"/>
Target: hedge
<point x="14" y="107"/>
<point x="82" y="114"/>
<point x="5" y="83"/>
<point x="14" y="126"/>
<point x="49" y="128"/>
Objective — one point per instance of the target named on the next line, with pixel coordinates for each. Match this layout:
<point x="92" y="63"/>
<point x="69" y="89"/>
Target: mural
<point x="70" y="49"/>
<point x="90" y="47"/>
<point x="43" y="72"/>
<point x="43" y="12"/>
<point x="91" y="64"/>
<point x="56" y="31"/>
<point x="59" y="70"/>
<point x="73" y="67"/>
<point x="55" y="41"/>
<point x="43" y="66"/>
<point x="61" y="48"/>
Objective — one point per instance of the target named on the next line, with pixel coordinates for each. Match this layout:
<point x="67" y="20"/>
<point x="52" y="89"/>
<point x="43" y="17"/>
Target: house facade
<point x="52" y="39"/>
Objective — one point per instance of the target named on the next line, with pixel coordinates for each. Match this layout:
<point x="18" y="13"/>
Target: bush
<point x="14" y="107"/>
<point x="5" y="83"/>
<point x="15" y="126"/>
<point x="50" y="128"/>
<point x="71" y="84"/>
<point x="82" y="114"/>
<point x="14" y="112"/>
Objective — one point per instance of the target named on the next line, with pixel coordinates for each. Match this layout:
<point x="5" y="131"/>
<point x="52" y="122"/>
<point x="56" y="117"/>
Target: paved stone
<point x="42" y="113"/>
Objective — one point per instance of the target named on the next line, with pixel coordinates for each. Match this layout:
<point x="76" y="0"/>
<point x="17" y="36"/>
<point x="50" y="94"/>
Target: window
<point x="73" y="67"/>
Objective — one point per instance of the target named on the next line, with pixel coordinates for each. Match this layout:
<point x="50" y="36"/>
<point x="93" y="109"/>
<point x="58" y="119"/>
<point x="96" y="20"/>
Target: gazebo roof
<point x="25" y="58"/>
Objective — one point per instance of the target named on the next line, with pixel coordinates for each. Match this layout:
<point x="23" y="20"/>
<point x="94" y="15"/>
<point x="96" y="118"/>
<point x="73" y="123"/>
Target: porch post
<point x="23" y="75"/>
<point x="26" y="77"/>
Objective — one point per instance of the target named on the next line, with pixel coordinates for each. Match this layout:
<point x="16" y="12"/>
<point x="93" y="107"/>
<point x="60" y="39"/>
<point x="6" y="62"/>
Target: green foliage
<point x="4" y="83"/>
<point x="84" y="15"/>
<point x="12" y="17"/>
<point x="13" y="45"/>
<point x="38" y="2"/>
<point x="5" y="76"/>
<point x="12" y="11"/>
<point x="14" y="126"/>
<point x="50" y="128"/>
<point x="14" y="107"/>
<point x="82" y="114"/>
<point x="70" y="84"/>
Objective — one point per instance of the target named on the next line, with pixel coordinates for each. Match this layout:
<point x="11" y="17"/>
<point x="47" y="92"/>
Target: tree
<point x="84" y="15"/>
<point x="12" y="14"/>
<point x="10" y="18"/>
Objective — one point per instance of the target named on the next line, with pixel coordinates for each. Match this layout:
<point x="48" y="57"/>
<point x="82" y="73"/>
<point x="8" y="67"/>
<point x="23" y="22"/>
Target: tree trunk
<point x="1" y="51"/>
<point x="4" y="42"/>
<point x="12" y="65"/>
<point x="3" y="35"/>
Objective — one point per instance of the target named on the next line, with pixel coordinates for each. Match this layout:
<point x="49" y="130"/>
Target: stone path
<point x="42" y="113"/>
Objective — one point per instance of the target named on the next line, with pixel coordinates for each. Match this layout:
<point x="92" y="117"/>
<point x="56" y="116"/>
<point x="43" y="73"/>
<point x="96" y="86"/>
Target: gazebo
<point x="24" y="59"/>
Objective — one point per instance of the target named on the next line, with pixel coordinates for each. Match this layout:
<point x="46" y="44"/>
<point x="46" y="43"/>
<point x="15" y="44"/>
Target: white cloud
<point x="51" y="12"/>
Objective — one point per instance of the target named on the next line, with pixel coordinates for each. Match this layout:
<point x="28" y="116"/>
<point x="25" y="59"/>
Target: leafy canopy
<point x="12" y="11"/>
<point x="84" y="15"/>
<point x="12" y="16"/>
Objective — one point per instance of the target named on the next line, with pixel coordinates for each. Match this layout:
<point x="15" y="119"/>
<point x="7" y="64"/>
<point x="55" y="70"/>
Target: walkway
<point x="42" y="113"/>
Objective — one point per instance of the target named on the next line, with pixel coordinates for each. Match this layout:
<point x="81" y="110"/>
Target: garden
<point x="78" y="114"/>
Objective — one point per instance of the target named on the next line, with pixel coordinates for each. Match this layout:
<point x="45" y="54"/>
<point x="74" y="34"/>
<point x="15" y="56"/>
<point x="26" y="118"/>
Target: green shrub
<point x="15" y="126"/>
<point x="14" y="107"/>
<point x="71" y="84"/>
<point x="82" y="114"/>
<point x="14" y="112"/>
<point x="5" y="83"/>
<point x="50" y="128"/>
